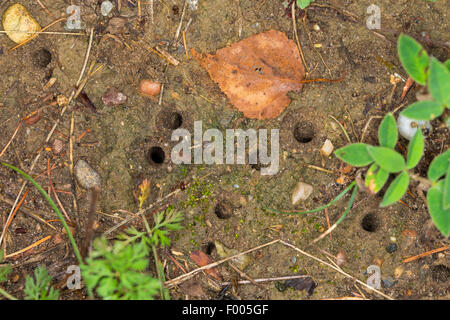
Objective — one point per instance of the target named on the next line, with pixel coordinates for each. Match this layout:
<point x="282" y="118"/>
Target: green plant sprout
<point x="4" y="271"/>
<point x="384" y="160"/>
<point x="115" y="271"/>
<point x="40" y="288"/>
<point x="54" y="207"/>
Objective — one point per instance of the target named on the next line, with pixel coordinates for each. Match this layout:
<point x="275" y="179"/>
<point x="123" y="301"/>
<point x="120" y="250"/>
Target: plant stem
<point x="161" y="277"/>
<point x="54" y="207"/>
<point x="7" y="295"/>
<point x="343" y="193"/>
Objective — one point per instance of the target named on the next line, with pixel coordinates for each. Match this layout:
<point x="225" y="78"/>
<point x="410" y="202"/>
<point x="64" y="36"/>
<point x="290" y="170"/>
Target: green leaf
<point x="439" y="215"/>
<point x="376" y="178"/>
<point x="396" y="190"/>
<point x="424" y="110"/>
<point x="439" y="82"/>
<point x="415" y="150"/>
<point x="387" y="132"/>
<point x="413" y="58"/>
<point x="447" y="64"/>
<point x="439" y="166"/>
<point x="446" y="192"/>
<point x="40" y="287"/>
<point x="4" y="271"/>
<point x="355" y="154"/>
<point x="304" y="3"/>
<point x="387" y="158"/>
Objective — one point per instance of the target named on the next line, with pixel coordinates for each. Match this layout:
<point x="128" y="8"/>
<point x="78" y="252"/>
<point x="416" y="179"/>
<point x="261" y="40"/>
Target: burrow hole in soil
<point x="173" y="120"/>
<point x="209" y="248"/>
<point x="304" y="131"/>
<point x="370" y="222"/>
<point x="156" y="155"/>
<point x="224" y="210"/>
<point x="42" y="58"/>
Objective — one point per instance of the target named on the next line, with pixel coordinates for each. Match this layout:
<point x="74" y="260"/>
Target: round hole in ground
<point x="370" y="222"/>
<point x="209" y="248"/>
<point x="224" y="210"/>
<point x="304" y="131"/>
<point x="42" y="58"/>
<point x="440" y="273"/>
<point x="174" y="120"/>
<point x="156" y="155"/>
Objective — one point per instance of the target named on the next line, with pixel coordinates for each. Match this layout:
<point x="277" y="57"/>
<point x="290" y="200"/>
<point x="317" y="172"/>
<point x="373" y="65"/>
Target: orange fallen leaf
<point x="257" y="73"/>
<point x="202" y="259"/>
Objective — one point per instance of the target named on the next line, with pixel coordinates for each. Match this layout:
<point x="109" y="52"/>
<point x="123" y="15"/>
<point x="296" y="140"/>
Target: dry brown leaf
<point x="257" y="73"/>
<point x="202" y="259"/>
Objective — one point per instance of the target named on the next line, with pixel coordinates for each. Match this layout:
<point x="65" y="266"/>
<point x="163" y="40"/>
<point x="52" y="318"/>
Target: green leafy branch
<point x="40" y="288"/>
<point x="425" y="71"/>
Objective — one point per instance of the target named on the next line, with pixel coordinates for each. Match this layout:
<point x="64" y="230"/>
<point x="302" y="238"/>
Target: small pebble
<point x="391" y="248"/>
<point x="280" y="286"/>
<point x="149" y="88"/>
<point x="407" y="127"/>
<point x="106" y="8"/>
<point x="398" y="271"/>
<point x="236" y="186"/>
<point x="113" y="97"/>
<point x="327" y="148"/>
<point x="316" y="27"/>
<point x="294" y="259"/>
<point x="57" y="146"/>
<point x="389" y="282"/>
<point x="86" y="176"/>
<point x="393" y="239"/>
<point x="302" y="192"/>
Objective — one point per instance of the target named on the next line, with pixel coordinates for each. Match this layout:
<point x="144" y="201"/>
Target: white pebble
<point x="407" y="127"/>
<point x="301" y="192"/>
<point x="106" y="8"/>
<point x="327" y="148"/>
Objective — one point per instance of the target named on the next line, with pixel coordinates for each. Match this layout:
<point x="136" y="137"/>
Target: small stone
<point x="113" y="97"/>
<point x="398" y="271"/>
<point x="301" y="192"/>
<point x="391" y="248"/>
<point x="18" y="23"/>
<point x="236" y="186"/>
<point x="316" y="27"/>
<point x="393" y="239"/>
<point x="327" y="148"/>
<point x="86" y="176"/>
<point x="389" y="282"/>
<point x="280" y="286"/>
<point x="57" y="146"/>
<point x="294" y="259"/>
<point x="240" y="262"/>
<point x="106" y="8"/>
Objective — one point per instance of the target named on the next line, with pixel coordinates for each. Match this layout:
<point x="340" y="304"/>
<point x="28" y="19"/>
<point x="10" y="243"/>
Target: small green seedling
<point x="117" y="271"/>
<point x="428" y="72"/>
<point x="39" y="288"/>
<point x="383" y="160"/>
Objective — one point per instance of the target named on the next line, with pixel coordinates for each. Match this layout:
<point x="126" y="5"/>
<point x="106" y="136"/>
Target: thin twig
<point x="186" y="276"/>
<point x="12" y="138"/>
<point x="294" y="24"/>
<point x="267" y="279"/>
<point x="419" y="256"/>
<point x="50" y="134"/>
